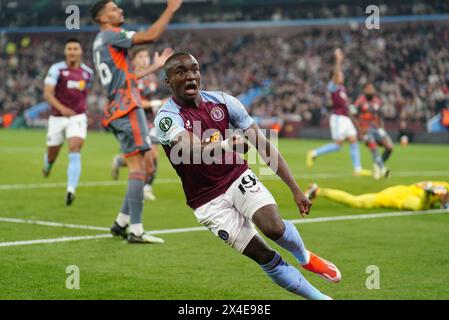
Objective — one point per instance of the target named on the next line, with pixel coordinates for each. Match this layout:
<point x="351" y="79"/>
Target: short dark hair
<point x="97" y="7"/>
<point x="172" y="58"/>
<point x="70" y="40"/>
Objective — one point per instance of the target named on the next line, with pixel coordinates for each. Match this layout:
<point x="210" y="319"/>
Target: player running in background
<point x="225" y="194"/>
<point x="341" y="125"/>
<point x="418" y="196"/>
<point x="124" y="115"/>
<point x="66" y="88"/>
<point x="370" y="125"/>
<point x="147" y="83"/>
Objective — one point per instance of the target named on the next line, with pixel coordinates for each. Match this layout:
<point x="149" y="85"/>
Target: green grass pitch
<point x="411" y="252"/>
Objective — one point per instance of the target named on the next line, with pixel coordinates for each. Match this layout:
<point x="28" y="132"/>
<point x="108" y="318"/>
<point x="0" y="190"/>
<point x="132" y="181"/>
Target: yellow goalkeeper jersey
<point x="411" y="196"/>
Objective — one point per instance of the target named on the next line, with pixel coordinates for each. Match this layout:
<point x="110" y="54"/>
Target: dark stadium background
<point x="275" y="55"/>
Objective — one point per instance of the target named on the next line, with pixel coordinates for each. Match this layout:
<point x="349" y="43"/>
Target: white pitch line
<point x="53" y="224"/>
<point x="371" y="216"/>
<point x="96" y="228"/>
<point x="311" y="176"/>
<point x="44" y="241"/>
<point x="184" y="230"/>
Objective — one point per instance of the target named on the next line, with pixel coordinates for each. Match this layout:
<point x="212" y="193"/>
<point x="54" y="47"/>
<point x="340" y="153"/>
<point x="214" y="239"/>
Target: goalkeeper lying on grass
<point x="419" y="196"/>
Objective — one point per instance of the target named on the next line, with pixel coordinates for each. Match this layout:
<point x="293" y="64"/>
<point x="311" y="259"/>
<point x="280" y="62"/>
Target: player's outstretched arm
<point x="158" y="63"/>
<point x="156" y="29"/>
<point x="146" y="104"/>
<point x="273" y="158"/>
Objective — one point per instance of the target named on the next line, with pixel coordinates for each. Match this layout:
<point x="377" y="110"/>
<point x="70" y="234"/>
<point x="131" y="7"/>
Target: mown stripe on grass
<point x="194" y="229"/>
<point x="318" y="176"/>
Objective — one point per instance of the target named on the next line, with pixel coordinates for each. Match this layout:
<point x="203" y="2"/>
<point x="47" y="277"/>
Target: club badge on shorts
<point x="223" y="235"/>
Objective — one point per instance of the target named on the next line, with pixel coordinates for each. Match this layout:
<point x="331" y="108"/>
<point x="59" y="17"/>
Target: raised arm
<point x="156" y="29"/>
<point x="158" y="63"/>
<point x="337" y="76"/>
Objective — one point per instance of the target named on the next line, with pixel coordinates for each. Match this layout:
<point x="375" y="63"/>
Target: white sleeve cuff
<point x="50" y="81"/>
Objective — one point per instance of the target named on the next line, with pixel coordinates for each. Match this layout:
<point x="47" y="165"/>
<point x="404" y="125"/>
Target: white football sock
<point x="137" y="229"/>
<point x="122" y="219"/>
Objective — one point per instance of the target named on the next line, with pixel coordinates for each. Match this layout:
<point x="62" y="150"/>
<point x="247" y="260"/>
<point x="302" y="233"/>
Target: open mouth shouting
<point x="191" y="89"/>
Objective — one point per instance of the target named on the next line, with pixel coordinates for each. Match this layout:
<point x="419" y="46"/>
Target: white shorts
<point x="229" y="215"/>
<point x="60" y="128"/>
<point x="341" y="127"/>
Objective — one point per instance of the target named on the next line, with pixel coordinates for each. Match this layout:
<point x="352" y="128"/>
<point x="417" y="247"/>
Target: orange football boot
<point x="325" y="269"/>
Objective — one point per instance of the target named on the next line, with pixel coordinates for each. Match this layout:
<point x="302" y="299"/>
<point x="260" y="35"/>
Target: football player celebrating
<point x="370" y="125"/>
<point x="340" y="122"/>
<point x="225" y="194"/>
<point x="66" y="88"/>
